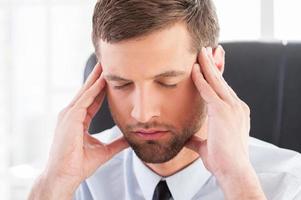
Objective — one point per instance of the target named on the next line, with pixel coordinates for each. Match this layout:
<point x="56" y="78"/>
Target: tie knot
<point x="162" y="192"/>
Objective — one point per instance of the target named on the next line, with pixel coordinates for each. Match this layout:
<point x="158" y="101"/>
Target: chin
<point x="155" y="152"/>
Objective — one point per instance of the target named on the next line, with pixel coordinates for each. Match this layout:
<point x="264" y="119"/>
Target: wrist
<point x="242" y="183"/>
<point x="50" y="187"/>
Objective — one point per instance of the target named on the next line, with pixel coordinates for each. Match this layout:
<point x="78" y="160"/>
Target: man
<point x="182" y="132"/>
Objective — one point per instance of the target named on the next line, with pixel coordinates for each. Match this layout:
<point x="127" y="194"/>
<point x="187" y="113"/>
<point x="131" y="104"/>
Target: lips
<point x="149" y="131"/>
<point x="150" y="134"/>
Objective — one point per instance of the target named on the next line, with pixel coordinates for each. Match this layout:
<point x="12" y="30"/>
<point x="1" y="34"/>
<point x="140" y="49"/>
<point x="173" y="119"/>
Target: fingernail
<point x="204" y="51"/>
<point x="209" y="50"/>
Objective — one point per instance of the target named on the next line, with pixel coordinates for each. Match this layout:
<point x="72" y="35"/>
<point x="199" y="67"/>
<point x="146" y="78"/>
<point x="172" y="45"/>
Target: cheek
<point x="182" y="101"/>
<point x="118" y="107"/>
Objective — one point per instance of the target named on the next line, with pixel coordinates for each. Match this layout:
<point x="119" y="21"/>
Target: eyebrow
<point x="171" y="73"/>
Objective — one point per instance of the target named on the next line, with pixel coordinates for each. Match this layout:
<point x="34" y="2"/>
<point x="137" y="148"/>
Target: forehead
<point x="168" y="49"/>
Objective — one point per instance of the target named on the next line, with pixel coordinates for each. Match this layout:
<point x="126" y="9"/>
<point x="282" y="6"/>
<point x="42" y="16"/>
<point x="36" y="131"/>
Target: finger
<point x="221" y="81"/>
<point x="116" y="146"/>
<point x="94" y="75"/>
<point x="198" y="145"/>
<point x="205" y="90"/>
<point x="210" y="56"/>
<point x="93" y="109"/>
<point x="211" y="76"/>
<point x="88" y="97"/>
<point x="90" y="141"/>
<point x="112" y="148"/>
<point x="219" y="57"/>
<point x="233" y="94"/>
<point x="216" y="71"/>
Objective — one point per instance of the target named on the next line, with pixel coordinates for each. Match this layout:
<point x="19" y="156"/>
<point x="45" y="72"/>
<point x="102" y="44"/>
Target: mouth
<point x="150" y="134"/>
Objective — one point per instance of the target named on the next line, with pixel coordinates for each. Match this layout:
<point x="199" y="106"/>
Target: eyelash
<point x="162" y="84"/>
<point x="121" y="86"/>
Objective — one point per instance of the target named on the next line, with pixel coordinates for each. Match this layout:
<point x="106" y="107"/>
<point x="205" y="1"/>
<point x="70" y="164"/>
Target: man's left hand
<point x="225" y="151"/>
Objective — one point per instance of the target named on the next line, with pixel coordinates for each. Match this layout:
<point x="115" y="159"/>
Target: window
<point x="239" y="20"/>
<point x="44" y="47"/>
<point x="287" y="16"/>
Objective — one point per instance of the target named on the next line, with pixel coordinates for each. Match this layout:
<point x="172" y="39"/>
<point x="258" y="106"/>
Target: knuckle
<point x="236" y="108"/>
<point x="76" y="113"/>
<point x="235" y="105"/>
<point x="220" y="107"/>
<point x="245" y="107"/>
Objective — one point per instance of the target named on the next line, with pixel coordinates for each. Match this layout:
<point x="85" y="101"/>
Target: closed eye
<point x="119" y="87"/>
<point x="167" y="85"/>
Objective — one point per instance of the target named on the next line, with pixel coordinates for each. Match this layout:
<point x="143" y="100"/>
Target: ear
<point x="219" y="58"/>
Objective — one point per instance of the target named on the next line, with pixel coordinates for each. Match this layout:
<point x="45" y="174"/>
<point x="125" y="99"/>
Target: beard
<point x="160" y="151"/>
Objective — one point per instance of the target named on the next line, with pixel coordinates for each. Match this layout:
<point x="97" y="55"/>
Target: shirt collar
<point x="182" y="185"/>
<point x="147" y="179"/>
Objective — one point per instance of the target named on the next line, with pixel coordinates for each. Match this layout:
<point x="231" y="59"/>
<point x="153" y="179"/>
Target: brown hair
<point x="117" y="20"/>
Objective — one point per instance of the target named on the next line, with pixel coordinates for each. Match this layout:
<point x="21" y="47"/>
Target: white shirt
<point x="126" y="177"/>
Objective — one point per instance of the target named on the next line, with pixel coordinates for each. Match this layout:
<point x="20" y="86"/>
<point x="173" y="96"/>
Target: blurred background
<point x="44" y="45"/>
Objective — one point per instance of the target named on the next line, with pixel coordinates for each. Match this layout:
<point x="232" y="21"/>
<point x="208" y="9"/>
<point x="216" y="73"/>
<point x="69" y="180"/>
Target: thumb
<point x="198" y="145"/>
<point x="97" y="148"/>
<point x="116" y="146"/>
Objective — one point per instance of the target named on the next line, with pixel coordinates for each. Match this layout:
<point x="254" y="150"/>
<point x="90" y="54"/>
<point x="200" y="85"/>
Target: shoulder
<point x="278" y="169"/>
<point x="267" y="157"/>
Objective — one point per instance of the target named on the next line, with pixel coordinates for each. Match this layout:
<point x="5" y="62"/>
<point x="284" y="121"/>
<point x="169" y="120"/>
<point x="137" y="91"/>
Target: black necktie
<point x="162" y="192"/>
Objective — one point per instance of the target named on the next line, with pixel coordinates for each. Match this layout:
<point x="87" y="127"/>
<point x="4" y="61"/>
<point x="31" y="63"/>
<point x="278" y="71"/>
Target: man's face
<point x="149" y="88"/>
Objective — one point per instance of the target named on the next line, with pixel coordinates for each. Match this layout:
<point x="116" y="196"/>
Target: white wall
<point x="44" y="46"/>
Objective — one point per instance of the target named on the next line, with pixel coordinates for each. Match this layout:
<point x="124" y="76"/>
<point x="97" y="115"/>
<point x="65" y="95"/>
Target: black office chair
<point x="267" y="77"/>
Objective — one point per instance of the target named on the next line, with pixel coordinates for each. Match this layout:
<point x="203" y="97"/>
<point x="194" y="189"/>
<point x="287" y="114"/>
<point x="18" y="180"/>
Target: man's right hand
<point x="74" y="153"/>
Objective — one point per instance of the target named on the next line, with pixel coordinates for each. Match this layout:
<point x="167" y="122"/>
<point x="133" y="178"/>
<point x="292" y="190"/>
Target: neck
<point x="184" y="158"/>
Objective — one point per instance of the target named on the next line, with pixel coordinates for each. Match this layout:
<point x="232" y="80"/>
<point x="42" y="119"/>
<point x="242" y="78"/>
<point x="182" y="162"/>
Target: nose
<point x="144" y="106"/>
